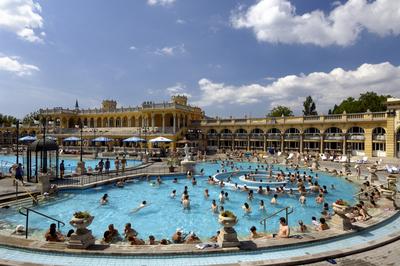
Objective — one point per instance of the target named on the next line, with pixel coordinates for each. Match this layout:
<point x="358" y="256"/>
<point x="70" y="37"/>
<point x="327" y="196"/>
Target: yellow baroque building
<point x="373" y="134"/>
<point x="364" y="134"/>
<point x="169" y="119"/>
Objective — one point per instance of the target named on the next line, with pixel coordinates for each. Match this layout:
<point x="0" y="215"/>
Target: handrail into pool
<point x="362" y="192"/>
<point x="42" y="214"/>
<point x="264" y="221"/>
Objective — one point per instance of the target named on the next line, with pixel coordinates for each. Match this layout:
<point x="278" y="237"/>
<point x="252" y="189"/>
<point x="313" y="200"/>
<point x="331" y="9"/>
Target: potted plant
<point x="171" y="162"/>
<point x="227" y="219"/>
<point x="340" y="206"/>
<point x="81" y="220"/>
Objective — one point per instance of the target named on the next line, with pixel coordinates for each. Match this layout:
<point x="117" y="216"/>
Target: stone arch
<point x="118" y="122"/>
<point x="226" y="131"/>
<point x="240" y="131"/>
<point x="133" y="121"/>
<point x="91" y="122"/>
<point x="125" y="122"/>
<point x="257" y="131"/>
<point x="99" y="122"/>
<point x="333" y="130"/>
<point x="312" y="130"/>
<point x="292" y="131"/>
<point x="111" y="122"/>
<point x="105" y="122"/>
<point x="71" y="122"/>
<point x="273" y="131"/>
<point x="355" y="130"/>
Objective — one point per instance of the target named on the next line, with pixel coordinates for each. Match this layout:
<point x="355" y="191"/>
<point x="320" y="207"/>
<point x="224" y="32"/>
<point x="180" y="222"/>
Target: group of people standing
<point x="106" y="165"/>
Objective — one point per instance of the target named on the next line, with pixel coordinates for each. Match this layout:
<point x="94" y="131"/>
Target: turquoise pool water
<point x="6" y="161"/>
<point x="165" y="214"/>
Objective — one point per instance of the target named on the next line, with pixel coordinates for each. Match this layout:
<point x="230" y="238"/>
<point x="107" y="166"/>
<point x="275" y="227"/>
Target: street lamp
<point x="16" y="125"/>
<point x="80" y="126"/>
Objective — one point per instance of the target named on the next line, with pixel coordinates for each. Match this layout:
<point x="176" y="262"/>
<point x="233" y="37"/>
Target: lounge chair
<point x="323" y="157"/>
<point x="343" y="159"/>
<point x="391" y="169"/>
<point x="363" y="160"/>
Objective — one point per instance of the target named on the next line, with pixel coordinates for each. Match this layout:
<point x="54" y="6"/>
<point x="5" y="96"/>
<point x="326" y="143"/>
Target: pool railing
<point x="288" y="210"/>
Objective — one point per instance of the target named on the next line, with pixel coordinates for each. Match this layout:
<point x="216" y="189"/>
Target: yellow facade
<point x="373" y="134"/>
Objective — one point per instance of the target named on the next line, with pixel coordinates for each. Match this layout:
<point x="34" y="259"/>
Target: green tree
<point x="367" y="101"/>
<point x="309" y="107"/>
<point x="7" y="120"/>
<point x="280" y="111"/>
<point x="30" y="118"/>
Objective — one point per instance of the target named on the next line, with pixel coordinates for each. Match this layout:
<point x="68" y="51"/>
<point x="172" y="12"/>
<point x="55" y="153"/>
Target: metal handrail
<point x="39" y="213"/>
<point x="289" y="210"/>
<point x="362" y="192"/>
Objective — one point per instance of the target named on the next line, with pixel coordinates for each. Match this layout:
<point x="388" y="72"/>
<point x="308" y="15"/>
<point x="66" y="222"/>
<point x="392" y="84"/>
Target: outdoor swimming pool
<point x="164" y="214"/>
<point x="6" y="161"/>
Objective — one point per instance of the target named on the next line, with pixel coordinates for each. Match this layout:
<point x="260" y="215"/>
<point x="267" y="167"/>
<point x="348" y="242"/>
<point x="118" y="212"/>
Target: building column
<point x="174" y="126"/>
<point x="179" y="122"/>
<point x="368" y="142"/>
<point x="233" y="142"/>
<point x="248" y="143"/>
<point x="143" y="119"/>
<point x="265" y="143"/>
<point x="153" y="121"/>
<point x="282" y="142"/>
<point x="163" y="123"/>
<point x="321" y="145"/>
<point x="391" y="141"/>
<point x="344" y="145"/>
<point x="301" y="143"/>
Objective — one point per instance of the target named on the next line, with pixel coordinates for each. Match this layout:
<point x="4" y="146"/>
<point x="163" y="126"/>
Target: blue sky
<point x="230" y="57"/>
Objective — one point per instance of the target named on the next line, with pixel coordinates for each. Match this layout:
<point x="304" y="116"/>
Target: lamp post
<point x="81" y="165"/>
<point x="80" y="126"/>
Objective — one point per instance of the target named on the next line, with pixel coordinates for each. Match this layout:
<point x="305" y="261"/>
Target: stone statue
<point x="187" y="154"/>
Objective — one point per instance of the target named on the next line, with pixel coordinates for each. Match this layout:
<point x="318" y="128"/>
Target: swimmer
<point x="222" y="197"/>
<point x="214" y="206"/>
<point x="262" y="206"/>
<point x="246" y="208"/>
<point x="194" y="182"/>
<point x="206" y="195"/>
<point x="175" y="180"/>
<point x="104" y="199"/>
<point x="274" y="199"/>
<point x="186" y="202"/>
<point x="302" y="199"/>
<point x="319" y="199"/>
<point x="226" y="196"/>
<point x="141" y="206"/>
<point x="159" y="180"/>
<point x="173" y="194"/>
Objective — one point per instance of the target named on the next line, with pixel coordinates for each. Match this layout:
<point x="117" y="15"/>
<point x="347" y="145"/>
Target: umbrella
<point x="27" y="138"/>
<point x="160" y="139"/>
<point x="134" y="139"/>
<point x="72" y="139"/>
<point x="101" y="139"/>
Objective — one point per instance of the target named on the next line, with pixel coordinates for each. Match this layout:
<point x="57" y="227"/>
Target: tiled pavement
<point x="388" y="255"/>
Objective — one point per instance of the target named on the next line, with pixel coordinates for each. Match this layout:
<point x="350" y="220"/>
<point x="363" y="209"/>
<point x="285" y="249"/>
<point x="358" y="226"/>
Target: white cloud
<point x="22" y="17"/>
<point x="276" y="21"/>
<point x="132" y="47"/>
<point x="180" y="21"/>
<point x="171" y="50"/>
<point x="178" y="88"/>
<point x="327" y="89"/>
<point x="160" y="2"/>
<point x="11" y="64"/>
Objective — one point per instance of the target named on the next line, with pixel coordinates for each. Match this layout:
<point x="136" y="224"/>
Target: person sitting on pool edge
<point x="129" y="231"/>
<point x="323" y="225"/>
<point x="284" y="230"/>
<point x="178" y="238"/>
<point x="192" y="239"/>
<point x="53" y="235"/>
<point x="111" y="235"/>
<point x="254" y="234"/>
